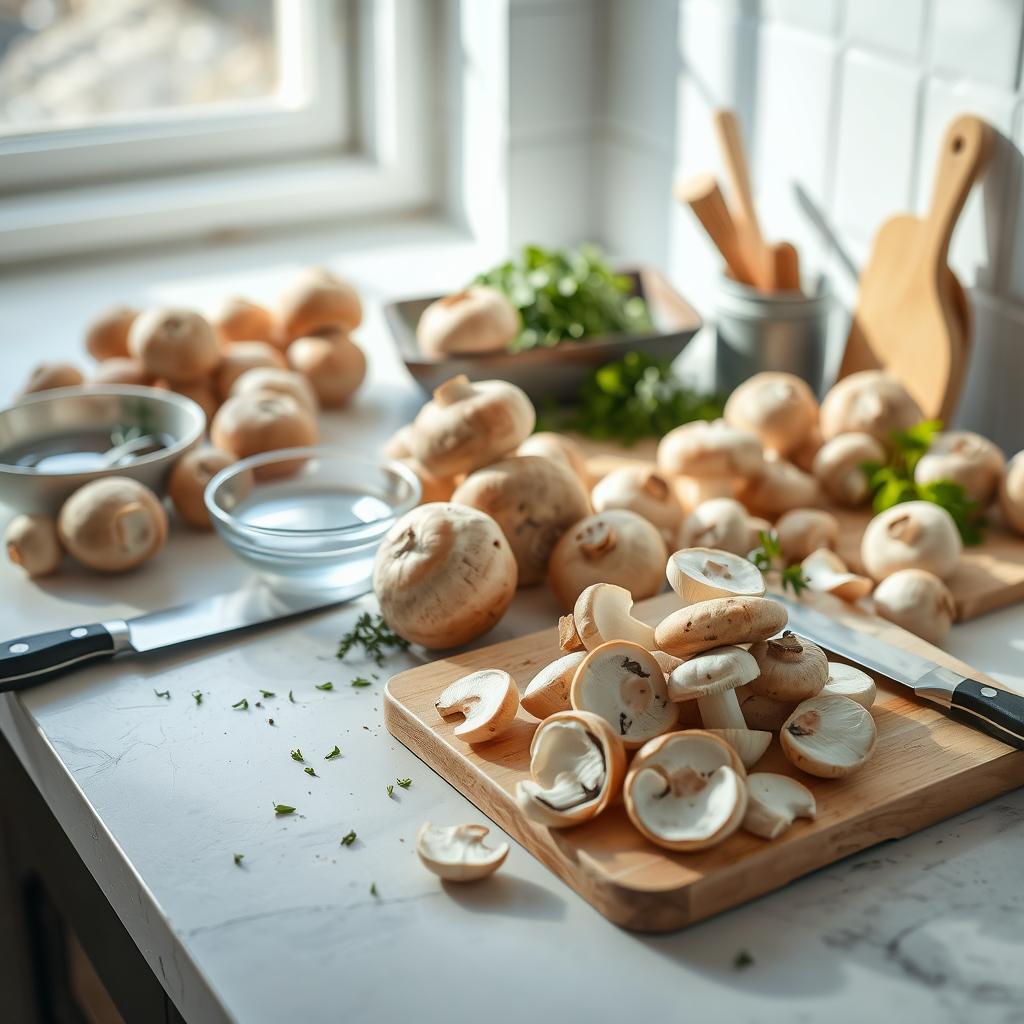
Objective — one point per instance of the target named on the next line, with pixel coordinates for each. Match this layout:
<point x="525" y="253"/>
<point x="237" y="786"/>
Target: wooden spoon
<point x="702" y="194"/>
<point x="787" y="267"/>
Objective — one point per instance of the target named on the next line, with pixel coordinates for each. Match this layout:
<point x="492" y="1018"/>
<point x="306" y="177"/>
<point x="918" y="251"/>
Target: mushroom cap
<point x="249" y="424"/>
<point x="106" y="337"/>
<point x="712" y="672"/>
<point x="577" y="765"/>
<point x="477" y="319"/>
<point x="718" y="623"/>
<point x="826" y="572"/>
<point x="317" y="299"/>
<point x="534" y="500"/>
<point x="686" y="791"/>
<point x="912" y="535"/>
<point x="763" y="713"/>
<point x="918" y="601"/>
<point x="187" y="483"/>
<point x="644" y="491"/>
<point x="46" y="376"/>
<point x="443" y="575"/>
<point x="803" y="530"/>
<point x="804" y="454"/>
<point x="120" y="370"/>
<point x="967" y="459"/>
<point x="779" y="487"/>
<point x="623" y="683"/>
<point x="432" y="488"/>
<point x="32" y="543"/>
<point x="720" y="523"/>
<point x="871" y="402"/>
<point x="792" y="668"/>
<point x="779" y="408"/>
<point x="750" y="744"/>
<point x="333" y="364"/>
<point x="457" y="853"/>
<point x="488" y="700"/>
<point x="1011" y="493"/>
<point x="849" y="681"/>
<point x="837" y="466"/>
<point x="602" y="613"/>
<point x="469" y="425"/>
<point x="709" y="449"/>
<point x="611" y="547"/>
<point x="547" y="693"/>
<point x="178" y="345"/>
<point x="199" y="391"/>
<point x="558" y="447"/>
<point x="274" y="380"/>
<point x="776" y="801"/>
<point x="112" y="524"/>
<point x="700" y="574"/>
<point x="243" y="356"/>
<point x="239" y="319"/>
<point x="828" y="736"/>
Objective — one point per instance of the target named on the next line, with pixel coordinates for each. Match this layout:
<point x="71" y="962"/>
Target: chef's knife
<point x="34" y="659"/>
<point x="983" y="705"/>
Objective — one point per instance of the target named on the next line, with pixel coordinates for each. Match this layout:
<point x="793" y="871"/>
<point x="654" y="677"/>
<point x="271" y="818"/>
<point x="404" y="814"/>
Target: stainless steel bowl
<point x="40" y="421"/>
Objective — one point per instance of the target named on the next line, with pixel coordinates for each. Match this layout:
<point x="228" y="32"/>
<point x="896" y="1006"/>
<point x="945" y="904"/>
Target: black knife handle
<point x="34" y="659"/>
<point x="991" y="709"/>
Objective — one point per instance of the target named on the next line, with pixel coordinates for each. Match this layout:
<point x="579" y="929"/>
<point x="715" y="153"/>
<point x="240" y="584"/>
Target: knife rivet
<point x="18" y="648"/>
<point x="987" y="691"/>
<point x="79" y="631"/>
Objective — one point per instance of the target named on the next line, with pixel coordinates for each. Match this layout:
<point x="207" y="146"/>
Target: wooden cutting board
<point x="926" y="767"/>
<point x="910" y="315"/>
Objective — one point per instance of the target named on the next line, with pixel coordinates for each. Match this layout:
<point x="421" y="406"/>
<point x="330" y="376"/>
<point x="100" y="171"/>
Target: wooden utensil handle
<point x="702" y="194"/>
<point x="966" y="148"/>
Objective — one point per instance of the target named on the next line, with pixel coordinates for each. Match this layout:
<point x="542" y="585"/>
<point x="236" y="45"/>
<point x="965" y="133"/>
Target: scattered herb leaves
<point x="742" y="960"/>
<point x="359" y="681"/>
<point x="239" y="857"/>
<point x="283" y="809"/>
<point x="373" y="890"/>
<point x="297" y="755"/>
<point x="266" y="694"/>
<point x="404" y="783"/>
<point x="242" y="705"/>
<point x="325" y="686"/>
<point x="336" y="752"/>
<point x="348" y="838"/>
<point x="768" y="558"/>
<point x="291" y="697"/>
<point x="197" y="696"/>
<point x="309" y="771"/>
<point x="163" y="693"/>
<point x="371" y="633"/>
<point x="391" y="790"/>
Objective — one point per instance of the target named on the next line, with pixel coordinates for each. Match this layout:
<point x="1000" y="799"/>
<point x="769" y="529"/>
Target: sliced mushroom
<point x="826" y="572"/>
<point x="602" y="613"/>
<point x="469" y="425"/>
<point x="838" y="467"/>
<point x="457" y="853"/>
<point x="916" y="600"/>
<point x="1011" y="493"/>
<point x="700" y="574"/>
<point x="792" y="668"/>
<point x="560" y="448"/>
<point x="720" y="523"/>
<point x="548" y="691"/>
<point x="870" y="402"/>
<point x="713" y="457"/>
<point x="577" y="764"/>
<point x="777" y="488"/>
<point x="243" y="356"/>
<point x="776" y="801"/>
<point x="32" y="543"/>
<point x="178" y="345"/>
<point x="612" y="547"/>
<point x="107" y="336"/>
<point x="568" y="638"/>
<point x="967" y="459"/>
<point x="488" y="700"/>
<point x="317" y="300"/>
<point x="718" y="623"/>
<point x="187" y="483"/>
<point x="913" y="535"/>
<point x="778" y="407"/>
<point x="849" y="681"/>
<point x="711" y="678"/>
<point x="686" y="791"/>
<point x="443" y="575"/>
<point x="803" y="530"/>
<point x="623" y="683"/>
<point x="749" y="744"/>
<point x="668" y="662"/>
<point x="828" y="736"/>
<point x="275" y="381"/>
<point x="238" y="319"/>
<point x="644" y="491"/>
<point x="47" y="376"/>
<point x="534" y="500"/>
<point x="476" y="319"/>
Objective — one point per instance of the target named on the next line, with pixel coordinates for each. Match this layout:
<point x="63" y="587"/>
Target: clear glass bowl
<point x="310" y="518"/>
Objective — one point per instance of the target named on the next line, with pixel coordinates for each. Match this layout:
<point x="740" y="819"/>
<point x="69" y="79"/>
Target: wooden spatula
<point x="910" y="318"/>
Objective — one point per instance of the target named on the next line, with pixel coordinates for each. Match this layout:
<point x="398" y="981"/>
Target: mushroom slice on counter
<point x="849" y="681"/>
<point x="827" y="572"/>
<point x="487" y="699"/>
<point x="457" y="853"/>
<point x="828" y="736"/>
<point x="602" y="613"/>
<point x="548" y="691"/>
<point x="577" y="764"/>
<point x="792" y="668"/>
<point x="718" y="623"/>
<point x="699" y="574"/>
<point x="686" y="791"/>
<point x="711" y="679"/>
<point x="749" y="744"/>
<point x="776" y="801"/>
<point x="623" y="683"/>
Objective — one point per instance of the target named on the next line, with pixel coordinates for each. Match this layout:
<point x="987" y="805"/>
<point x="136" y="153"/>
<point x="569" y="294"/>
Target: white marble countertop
<point x="158" y="794"/>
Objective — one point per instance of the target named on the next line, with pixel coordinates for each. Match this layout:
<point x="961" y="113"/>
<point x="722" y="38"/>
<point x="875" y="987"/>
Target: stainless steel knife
<point x="33" y="659"/>
<point x="985" y="706"/>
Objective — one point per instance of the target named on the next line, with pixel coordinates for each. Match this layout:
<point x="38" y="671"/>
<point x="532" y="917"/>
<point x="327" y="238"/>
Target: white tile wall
<point x="978" y="38"/>
<point x="885" y="25"/>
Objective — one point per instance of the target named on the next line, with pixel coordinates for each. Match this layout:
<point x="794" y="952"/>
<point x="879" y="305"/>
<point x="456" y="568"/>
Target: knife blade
<point x="29" y="660"/>
<point x="984" y="706"/>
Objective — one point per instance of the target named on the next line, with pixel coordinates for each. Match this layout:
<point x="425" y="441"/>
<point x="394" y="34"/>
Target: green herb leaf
<point x="371" y="633"/>
<point x="742" y="960"/>
<point x="348" y="838"/>
<point x="239" y="857"/>
<point x="309" y="771"/>
<point x="336" y="752"/>
<point x="793" y="578"/>
<point x="297" y="755"/>
<point x="242" y="705"/>
<point x="360" y="681"/>
<point x="404" y="783"/>
<point x="325" y="686"/>
<point x="283" y="809"/>
<point x="373" y="890"/>
<point x="163" y="693"/>
<point x="391" y="790"/>
<point x="197" y="696"/>
<point x="267" y="693"/>
<point x="291" y="697"/>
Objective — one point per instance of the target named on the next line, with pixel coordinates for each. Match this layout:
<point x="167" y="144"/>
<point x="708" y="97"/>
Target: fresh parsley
<point x="742" y="960"/>
<point x="348" y="838"/>
<point x="163" y="693"/>
<point x="372" y="634"/>
<point x="197" y="696"/>
<point x="309" y="771"/>
<point x="283" y="809"/>
<point x="391" y="791"/>
<point x="291" y="697"/>
<point x="373" y="890"/>
<point x="239" y="857"/>
<point x="336" y="752"/>
<point x="242" y="705"/>
<point x="266" y="694"/>
<point x="297" y="755"/>
<point x="359" y="681"/>
<point x="325" y="686"/>
<point x="404" y="783"/>
<point x="768" y="558"/>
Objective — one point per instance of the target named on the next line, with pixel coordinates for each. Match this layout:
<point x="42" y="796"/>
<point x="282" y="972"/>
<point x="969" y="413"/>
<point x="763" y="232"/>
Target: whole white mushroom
<point x="912" y="535"/>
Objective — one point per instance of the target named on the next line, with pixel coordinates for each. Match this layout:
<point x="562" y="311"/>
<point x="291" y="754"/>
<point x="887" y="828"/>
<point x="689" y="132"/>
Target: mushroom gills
<point x="849" y="681"/>
<point x="568" y="767"/>
<point x="487" y="699"/>
<point x="602" y="613"/>
<point x="775" y="802"/>
<point x="457" y="853"/>
<point x="686" y="805"/>
<point x="828" y="736"/>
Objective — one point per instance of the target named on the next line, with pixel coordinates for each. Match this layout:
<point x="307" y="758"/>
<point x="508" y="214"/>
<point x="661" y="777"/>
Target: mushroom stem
<point x="453" y="390"/>
<point x="721" y="711"/>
